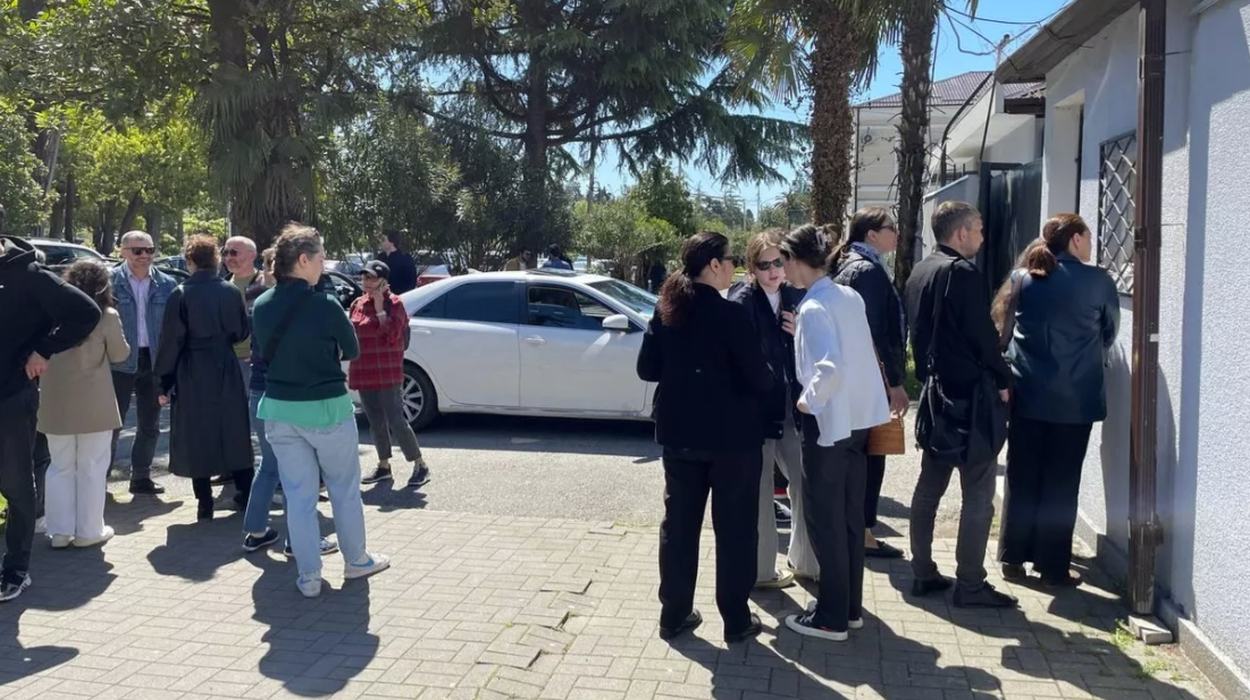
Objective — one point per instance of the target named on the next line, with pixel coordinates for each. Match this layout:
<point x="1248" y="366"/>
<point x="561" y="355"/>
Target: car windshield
<point x="637" y="299"/>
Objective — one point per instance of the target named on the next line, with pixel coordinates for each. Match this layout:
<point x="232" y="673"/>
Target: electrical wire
<point x="1033" y="23"/>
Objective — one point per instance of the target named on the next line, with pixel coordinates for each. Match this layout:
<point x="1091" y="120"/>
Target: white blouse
<point x="836" y="364"/>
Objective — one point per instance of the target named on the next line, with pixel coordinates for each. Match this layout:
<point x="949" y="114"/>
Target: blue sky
<point x="949" y="60"/>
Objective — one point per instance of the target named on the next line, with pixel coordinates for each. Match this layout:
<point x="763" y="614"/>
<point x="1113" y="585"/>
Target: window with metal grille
<point x="1117" y="182"/>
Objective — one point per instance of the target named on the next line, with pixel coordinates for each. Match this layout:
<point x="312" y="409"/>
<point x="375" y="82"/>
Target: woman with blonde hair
<point x="78" y="412"/>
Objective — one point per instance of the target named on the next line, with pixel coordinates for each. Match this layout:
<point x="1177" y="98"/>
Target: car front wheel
<point x="419" y="400"/>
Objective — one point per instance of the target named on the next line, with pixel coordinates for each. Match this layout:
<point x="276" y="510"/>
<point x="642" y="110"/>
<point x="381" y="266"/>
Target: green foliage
<point x="23" y="198"/>
<point x="621" y="232"/>
<point x="663" y="195"/>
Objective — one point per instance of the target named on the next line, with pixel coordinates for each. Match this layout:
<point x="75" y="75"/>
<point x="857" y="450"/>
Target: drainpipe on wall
<point x="1144" y="531"/>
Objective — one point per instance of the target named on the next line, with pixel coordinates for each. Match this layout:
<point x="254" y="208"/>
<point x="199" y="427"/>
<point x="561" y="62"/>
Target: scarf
<point x="869" y="253"/>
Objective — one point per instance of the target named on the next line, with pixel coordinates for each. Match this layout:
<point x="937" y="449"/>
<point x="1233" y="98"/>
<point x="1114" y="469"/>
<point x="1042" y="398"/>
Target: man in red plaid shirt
<point x="378" y="373"/>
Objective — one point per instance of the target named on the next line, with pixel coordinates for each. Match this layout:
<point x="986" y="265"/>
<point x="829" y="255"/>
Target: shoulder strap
<point x="937" y="313"/>
<point x="280" y="330"/>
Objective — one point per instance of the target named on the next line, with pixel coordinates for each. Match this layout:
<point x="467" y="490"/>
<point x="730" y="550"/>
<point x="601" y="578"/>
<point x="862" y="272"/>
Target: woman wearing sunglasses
<point x="770" y="305"/>
<point x="842" y="397"/>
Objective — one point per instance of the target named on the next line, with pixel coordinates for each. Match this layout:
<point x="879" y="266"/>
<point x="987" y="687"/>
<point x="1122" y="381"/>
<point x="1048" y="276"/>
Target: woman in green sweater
<point x="304" y="337"/>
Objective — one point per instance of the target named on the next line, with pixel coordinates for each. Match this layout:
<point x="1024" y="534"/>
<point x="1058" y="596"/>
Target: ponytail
<point x="1057" y="233"/>
<point x="863" y="222"/>
<point x="677" y="292"/>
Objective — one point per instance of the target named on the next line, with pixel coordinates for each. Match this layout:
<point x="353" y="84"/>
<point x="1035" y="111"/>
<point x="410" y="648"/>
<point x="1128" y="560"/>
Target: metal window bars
<point x="1117" y="182"/>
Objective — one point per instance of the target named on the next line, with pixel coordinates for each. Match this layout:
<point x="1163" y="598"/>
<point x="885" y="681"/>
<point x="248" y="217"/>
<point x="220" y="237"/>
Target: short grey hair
<point x="242" y="239"/>
<point x="131" y="235"/>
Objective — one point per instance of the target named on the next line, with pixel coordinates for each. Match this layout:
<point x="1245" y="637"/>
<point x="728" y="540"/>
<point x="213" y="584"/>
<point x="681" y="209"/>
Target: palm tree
<point x="917" y="20"/>
<point x="829" y="47"/>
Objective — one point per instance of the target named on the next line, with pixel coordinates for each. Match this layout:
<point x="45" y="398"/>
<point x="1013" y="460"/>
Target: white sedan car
<point x="533" y="343"/>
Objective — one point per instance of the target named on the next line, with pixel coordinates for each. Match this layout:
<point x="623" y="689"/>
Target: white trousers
<point x="786" y="452"/>
<point x="77" y="482"/>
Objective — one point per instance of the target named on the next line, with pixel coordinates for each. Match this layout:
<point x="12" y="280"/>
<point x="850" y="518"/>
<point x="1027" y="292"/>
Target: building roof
<point x="949" y="92"/>
<point x="1073" y="26"/>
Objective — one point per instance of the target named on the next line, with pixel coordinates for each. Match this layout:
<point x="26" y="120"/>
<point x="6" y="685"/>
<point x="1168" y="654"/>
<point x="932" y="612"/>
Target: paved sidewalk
<point x="503" y="606"/>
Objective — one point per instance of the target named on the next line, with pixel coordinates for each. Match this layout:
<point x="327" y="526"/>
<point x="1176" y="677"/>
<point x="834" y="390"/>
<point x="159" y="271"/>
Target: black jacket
<point x="967" y="343"/>
<point x="1064" y="324"/>
<point x="884" y="310"/>
<point x="403" y="275"/>
<point x="209" y="429"/>
<point x="712" y="377"/>
<point x="777" y="346"/>
<point x="39" y="312"/>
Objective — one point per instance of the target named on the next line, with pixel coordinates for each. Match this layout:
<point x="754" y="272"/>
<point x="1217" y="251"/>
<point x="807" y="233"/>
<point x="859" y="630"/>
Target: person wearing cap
<point x="378" y="372"/>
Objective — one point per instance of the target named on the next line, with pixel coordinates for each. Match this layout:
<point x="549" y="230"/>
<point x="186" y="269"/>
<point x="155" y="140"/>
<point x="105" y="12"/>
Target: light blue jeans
<point x="304" y="455"/>
<point x="256" y="517"/>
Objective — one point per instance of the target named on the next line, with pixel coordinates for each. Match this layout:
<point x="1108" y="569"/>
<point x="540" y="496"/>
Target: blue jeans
<point x="256" y="517"/>
<point x="304" y="455"/>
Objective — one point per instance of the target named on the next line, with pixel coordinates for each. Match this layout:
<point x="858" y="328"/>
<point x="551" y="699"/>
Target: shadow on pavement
<point x="195" y="551"/>
<point x="127" y="516"/>
<point x="315" y="645"/>
<point x="551" y="435"/>
<point x="392" y="495"/>
<point x="60" y="581"/>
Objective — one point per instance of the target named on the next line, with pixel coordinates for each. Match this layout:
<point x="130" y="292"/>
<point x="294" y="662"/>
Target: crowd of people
<point x="803" y="365"/>
<point x="248" y="352"/>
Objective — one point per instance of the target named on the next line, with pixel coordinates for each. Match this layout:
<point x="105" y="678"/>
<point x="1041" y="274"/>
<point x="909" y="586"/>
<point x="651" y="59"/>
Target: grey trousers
<point x="786" y="452"/>
<point x="976" y="483"/>
<point x="385" y="412"/>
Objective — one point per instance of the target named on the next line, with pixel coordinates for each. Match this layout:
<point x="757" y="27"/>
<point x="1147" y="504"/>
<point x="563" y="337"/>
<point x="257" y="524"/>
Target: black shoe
<point x="1015" y="572"/>
<point x="420" y="477"/>
<point x="692" y="621"/>
<point x="251" y="543"/>
<point x="378" y="474"/>
<point x="146" y="487"/>
<point x="12" y="583"/>
<point x="883" y="551"/>
<point x="783" y="515"/>
<point x="752" y="630"/>
<point x="1068" y="580"/>
<point x="204" y="511"/>
<point x="984" y="597"/>
<point x="925" y="586"/>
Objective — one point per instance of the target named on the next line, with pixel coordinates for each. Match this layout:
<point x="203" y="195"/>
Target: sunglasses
<point x="764" y="265"/>
<point x="139" y="250"/>
<point x="231" y="253"/>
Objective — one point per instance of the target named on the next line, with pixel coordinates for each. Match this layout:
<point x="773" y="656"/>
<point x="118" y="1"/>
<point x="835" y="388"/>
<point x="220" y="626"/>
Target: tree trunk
<point x="71" y="197"/>
<point x="833" y="63"/>
<point x="152" y="216"/>
<point x="56" y="219"/>
<point x="132" y="212"/>
<point x="105" y="229"/>
<point x="913" y="130"/>
<point x="534" y="176"/>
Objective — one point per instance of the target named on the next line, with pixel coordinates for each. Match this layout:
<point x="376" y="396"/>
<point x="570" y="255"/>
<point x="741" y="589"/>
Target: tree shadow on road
<point x="315" y="645"/>
<point x="60" y="581"/>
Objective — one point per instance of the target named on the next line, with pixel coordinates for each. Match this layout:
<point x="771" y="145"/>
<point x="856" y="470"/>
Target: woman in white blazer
<point x="842" y="398"/>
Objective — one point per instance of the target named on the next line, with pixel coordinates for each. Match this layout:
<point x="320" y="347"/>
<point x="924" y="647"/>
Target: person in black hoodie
<point x="770" y="305"/>
<point x="41" y="315"/>
<point x="712" y="378"/>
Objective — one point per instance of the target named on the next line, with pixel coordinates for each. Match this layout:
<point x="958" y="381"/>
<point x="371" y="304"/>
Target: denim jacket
<point x="158" y="294"/>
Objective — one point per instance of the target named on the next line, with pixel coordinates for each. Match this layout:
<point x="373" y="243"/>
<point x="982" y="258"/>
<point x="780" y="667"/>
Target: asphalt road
<point x="587" y="470"/>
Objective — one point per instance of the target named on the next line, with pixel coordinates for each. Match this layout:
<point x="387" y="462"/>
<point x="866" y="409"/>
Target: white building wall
<point x="1204" y="340"/>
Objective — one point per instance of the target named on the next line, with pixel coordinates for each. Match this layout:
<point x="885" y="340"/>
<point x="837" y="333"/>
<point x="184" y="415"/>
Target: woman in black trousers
<point x="712" y="378"/>
<point x="1066" y="315"/>
<point x="857" y="264"/>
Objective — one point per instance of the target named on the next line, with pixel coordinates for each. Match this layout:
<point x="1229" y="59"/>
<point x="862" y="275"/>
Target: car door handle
<point x="536" y="340"/>
<point x="422" y="331"/>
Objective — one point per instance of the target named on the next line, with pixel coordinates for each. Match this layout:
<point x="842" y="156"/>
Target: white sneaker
<point x="372" y="565"/>
<point x="41" y="526"/>
<point x="93" y="541"/>
<point x="856" y="624"/>
<point x="310" y="586"/>
<point x="62" y="541"/>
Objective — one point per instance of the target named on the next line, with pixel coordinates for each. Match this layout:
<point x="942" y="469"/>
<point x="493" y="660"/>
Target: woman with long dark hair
<point x="1066" y="315"/>
<point x="857" y="264"/>
<point x="770" y="305"/>
<point x="712" y="378"/>
<point x="842" y="398"/>
<point x="78" y="412"/>
<point x="209" y="429"/>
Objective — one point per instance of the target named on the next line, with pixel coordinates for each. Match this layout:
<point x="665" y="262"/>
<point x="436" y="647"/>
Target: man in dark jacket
<point x="403" y="268"/>
<point x="41" y="316"/>
<point x="964" y="346"/>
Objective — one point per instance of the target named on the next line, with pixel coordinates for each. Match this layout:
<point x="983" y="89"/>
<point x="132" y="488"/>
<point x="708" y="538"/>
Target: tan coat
<point x="76" y="393"/>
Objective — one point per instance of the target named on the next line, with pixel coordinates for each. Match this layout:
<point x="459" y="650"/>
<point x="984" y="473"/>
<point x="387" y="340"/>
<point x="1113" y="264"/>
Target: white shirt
<point x="836" y="364"/>
<point x="140" y="287"/>
<point x="774" y="300"/>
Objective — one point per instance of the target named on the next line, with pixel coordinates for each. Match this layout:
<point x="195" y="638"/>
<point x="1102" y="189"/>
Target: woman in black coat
<point x="712" y="377"/>
<point x="1066" y="315"/>
<point x="210" y="433"/>
<point x="770" y="305"/>
<point x="858" y="265"/>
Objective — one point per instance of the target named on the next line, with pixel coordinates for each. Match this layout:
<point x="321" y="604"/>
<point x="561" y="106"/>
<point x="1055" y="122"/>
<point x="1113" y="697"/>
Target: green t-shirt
<point x="322" y="413"/>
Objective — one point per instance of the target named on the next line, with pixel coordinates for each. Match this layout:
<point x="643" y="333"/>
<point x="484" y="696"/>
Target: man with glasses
<point x="239" y="255"/>
<point x="141" y="292"/>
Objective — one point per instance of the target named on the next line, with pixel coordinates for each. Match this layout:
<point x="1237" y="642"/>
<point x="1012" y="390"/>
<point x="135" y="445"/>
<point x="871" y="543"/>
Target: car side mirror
<point x="616" y="322"/>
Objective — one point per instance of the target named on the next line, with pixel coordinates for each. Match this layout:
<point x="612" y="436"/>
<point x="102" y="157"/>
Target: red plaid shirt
<point x="381" y="361"/>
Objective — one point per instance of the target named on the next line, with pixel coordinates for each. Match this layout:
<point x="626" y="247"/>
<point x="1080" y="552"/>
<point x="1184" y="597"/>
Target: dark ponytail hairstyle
<point x="1057" y="233"/>
<point x="809" y="245"/>
<point x="862" y="222"/>
<point x="697" y="252"/>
